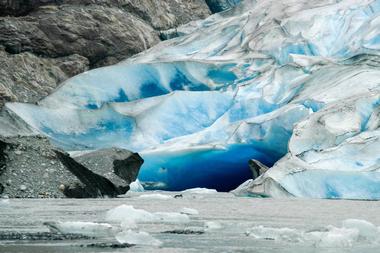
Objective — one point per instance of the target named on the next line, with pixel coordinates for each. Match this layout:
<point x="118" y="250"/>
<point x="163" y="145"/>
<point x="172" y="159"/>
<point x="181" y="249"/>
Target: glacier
<point x="292" y="84"/>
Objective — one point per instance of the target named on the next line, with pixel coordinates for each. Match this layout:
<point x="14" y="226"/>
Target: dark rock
<point x="103" y="35"/>
<point x="105" y="245"/>
<point x="257" y="168"/>
<point x="3" y="157"/>
<point x="17" y="7"/>
<point x="93" y="185"/>
<point x="101" y="173"/>
<point x="40" y="236"/>
<point x="184" y="232"/>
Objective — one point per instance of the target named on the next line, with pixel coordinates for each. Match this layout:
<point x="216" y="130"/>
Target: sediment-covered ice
<point x="84" y="228"/>
<point x="198" y="107"/>
<point x="213" y="225"/>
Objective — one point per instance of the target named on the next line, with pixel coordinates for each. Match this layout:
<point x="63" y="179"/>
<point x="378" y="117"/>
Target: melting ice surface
<point x="198" y="107"/>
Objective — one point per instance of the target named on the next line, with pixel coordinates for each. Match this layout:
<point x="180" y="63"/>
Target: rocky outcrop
<point x="163" y="15"/>
<point x="26" y="77"/>
<point x="103" y="35"/>
<point x="159" y="14"/>
<point x="107" y="172"/>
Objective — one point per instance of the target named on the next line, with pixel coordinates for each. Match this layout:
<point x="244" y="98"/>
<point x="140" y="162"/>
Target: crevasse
<point x="264" y="80"/>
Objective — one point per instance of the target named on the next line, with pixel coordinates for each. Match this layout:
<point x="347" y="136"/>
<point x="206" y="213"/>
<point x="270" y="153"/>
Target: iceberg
<point x="292" y="84"/>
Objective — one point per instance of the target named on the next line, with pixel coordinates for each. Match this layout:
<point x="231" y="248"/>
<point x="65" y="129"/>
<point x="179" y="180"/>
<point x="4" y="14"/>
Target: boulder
<point x="107" y="172"/>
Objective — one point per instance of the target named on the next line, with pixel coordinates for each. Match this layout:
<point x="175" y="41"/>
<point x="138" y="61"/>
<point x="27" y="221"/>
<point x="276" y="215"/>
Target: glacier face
<point x="198" y="107"/>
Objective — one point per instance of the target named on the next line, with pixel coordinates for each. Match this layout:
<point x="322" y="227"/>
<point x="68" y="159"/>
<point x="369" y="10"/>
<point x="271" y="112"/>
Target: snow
<point x="351" y="233"/>
<point x="292" y="84"/>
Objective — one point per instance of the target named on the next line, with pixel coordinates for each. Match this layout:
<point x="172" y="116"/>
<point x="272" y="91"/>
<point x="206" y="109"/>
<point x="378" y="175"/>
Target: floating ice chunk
<point x="126" y="213"/>
<point x="352" y="232"/>
<point x="333" y="237"/>
<point x="136" y="186"/>
<point x="189" y="211"/>
<point x="213" y="225"/>
<point x="130" y="216"/>
<point x="367" y="230"/>
<point x="128" y="224"/>
<point x="200" y="191"/>
<point x="171" y="217"/>
<point x="155" y="196"/>
<point x="4" y="202"/>
<point x="83" y="228"/>
<point x="137" y="238"/>
<point x="278" y="234"/>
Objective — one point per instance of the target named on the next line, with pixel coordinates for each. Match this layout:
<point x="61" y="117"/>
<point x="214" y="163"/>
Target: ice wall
<point x="198" y="107"/>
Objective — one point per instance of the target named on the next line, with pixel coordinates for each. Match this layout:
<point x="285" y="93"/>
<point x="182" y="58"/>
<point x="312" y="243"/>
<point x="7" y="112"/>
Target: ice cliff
<point x="297" y="79"/>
